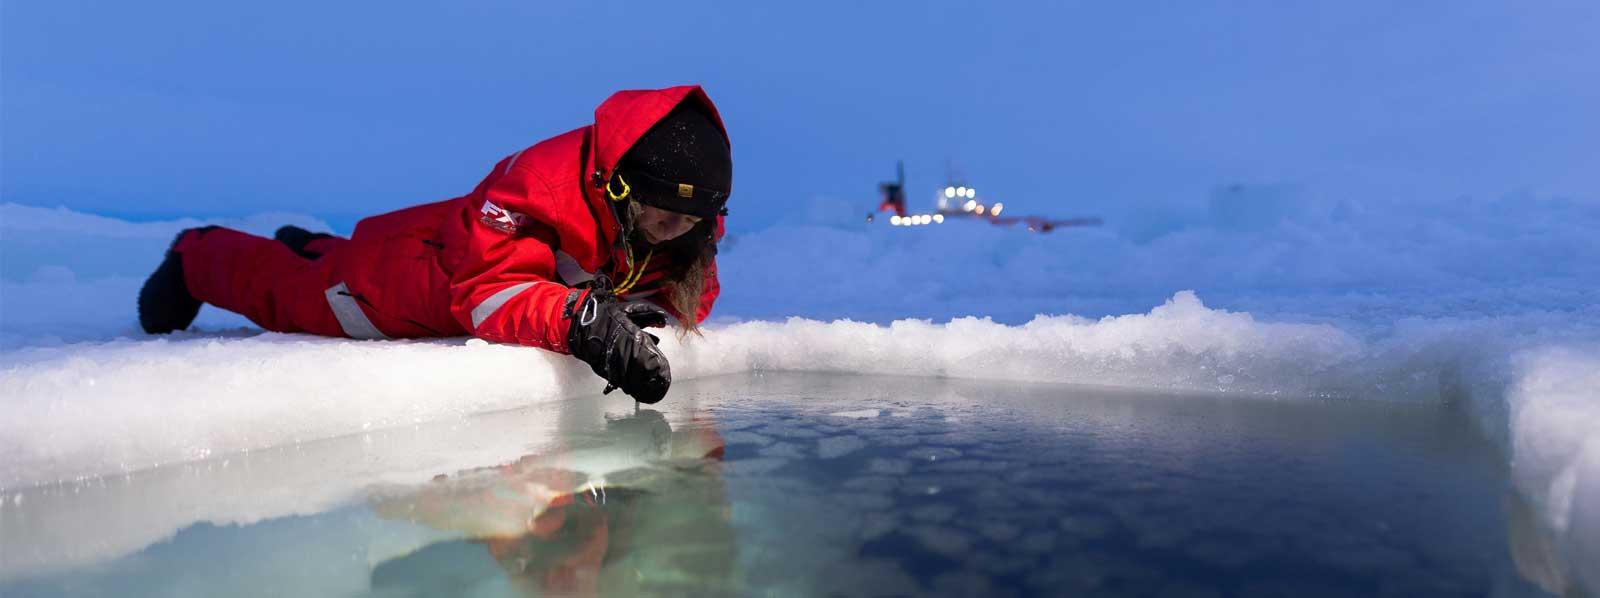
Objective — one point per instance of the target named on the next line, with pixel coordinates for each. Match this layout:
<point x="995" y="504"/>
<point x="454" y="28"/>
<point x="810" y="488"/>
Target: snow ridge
<point x="83" y="395"/>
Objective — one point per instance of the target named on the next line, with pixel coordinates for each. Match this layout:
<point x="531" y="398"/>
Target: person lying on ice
<point x="572" y="245"/>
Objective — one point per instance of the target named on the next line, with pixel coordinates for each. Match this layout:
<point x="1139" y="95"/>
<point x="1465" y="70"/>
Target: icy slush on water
<point x="1487" y="306"/>
<point x="809" y="485"/>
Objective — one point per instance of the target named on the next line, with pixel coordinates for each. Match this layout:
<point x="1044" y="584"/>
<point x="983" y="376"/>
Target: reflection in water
<point x="1533" y="549"/>
<point x="635" y="507"/>
<point x="823" y="485"/>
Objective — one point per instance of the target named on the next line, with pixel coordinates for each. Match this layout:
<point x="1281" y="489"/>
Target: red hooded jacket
<point x="500" y="262"/>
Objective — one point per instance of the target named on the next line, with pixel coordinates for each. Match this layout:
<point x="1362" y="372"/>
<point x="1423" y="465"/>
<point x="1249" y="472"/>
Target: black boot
<point x="165" y="304"/>
<point x="297" y="238"/>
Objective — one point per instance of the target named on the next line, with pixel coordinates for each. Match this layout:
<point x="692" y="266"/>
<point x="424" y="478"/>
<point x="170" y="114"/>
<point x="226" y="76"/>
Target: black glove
<point x="608" y="334"/>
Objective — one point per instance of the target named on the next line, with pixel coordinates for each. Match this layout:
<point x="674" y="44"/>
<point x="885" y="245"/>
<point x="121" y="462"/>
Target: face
<point x="659" y="226"/>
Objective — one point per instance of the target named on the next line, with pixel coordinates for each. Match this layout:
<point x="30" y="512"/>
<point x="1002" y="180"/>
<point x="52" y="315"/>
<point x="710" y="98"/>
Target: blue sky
<point x="348" y="108"/>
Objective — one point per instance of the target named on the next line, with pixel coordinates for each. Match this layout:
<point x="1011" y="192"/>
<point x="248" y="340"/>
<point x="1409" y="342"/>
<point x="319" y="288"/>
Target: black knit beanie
<point x="681" y="164"/>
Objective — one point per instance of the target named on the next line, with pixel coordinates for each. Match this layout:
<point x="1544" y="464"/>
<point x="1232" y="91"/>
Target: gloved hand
<point x="607" y="333"/>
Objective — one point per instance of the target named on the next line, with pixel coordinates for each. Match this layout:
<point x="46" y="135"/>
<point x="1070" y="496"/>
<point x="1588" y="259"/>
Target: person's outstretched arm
<point x="505" y="289"/>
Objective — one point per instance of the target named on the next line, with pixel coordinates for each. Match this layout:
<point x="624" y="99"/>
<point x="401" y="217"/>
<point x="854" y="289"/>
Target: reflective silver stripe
<point x="512" y="161"/>
<point x="570" y="272"/>
<point x="493" y="303"/>
<point x="351" y="318"/>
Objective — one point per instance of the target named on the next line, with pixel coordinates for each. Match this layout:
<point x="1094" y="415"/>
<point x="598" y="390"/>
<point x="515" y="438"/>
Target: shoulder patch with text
<point x="501" y="219"/>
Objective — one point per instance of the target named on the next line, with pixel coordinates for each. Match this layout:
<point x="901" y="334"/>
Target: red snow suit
<point x="498" y="263"/>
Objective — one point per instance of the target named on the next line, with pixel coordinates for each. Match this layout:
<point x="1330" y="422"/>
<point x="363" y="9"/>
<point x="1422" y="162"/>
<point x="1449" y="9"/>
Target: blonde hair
<point x="685" y="282"/>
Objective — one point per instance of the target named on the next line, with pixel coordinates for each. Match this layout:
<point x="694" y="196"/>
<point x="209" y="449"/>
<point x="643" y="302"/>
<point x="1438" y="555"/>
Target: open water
<point x="814" y="484"/>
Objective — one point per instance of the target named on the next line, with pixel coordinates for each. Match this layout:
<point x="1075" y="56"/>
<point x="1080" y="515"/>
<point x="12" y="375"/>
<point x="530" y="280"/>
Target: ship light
<point x="939" y="218"/>
<point x="895" y="220"/>
<point x="980" y="210"/>
<point x="997" y="207"/>
<point x="949" y="191"/>
<point x="969" y="205"/>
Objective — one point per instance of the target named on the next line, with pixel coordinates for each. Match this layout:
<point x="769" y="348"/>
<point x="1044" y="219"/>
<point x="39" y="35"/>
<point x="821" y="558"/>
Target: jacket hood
<point x="624" y="117"/>
<point x="621" y="120"/>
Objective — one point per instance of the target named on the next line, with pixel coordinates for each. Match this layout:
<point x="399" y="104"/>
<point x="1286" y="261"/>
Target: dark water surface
<point x="814" y="484"/>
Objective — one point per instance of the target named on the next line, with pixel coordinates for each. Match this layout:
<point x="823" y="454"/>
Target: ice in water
<point x="980" y="488"/>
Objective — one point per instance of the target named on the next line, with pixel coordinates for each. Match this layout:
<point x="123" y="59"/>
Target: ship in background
<point x="958" y="200"/>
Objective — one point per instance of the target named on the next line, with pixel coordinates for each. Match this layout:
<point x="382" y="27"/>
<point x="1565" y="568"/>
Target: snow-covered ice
<point x="1491" y="305"/>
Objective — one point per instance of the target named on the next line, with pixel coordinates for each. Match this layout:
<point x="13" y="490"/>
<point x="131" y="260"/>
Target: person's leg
<point x="308" y="244"/>
<point x="165" y="305"/>
<point x="324" y="245"/>
<point x="260" y="278"/>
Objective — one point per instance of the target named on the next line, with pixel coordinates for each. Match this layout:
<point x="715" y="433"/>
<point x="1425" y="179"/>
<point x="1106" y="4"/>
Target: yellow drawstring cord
<point x="634" y="273"/>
